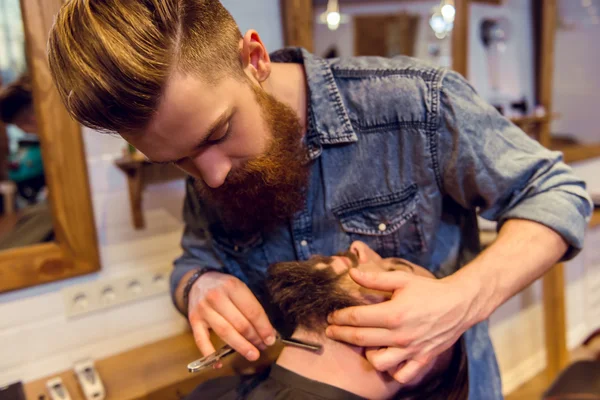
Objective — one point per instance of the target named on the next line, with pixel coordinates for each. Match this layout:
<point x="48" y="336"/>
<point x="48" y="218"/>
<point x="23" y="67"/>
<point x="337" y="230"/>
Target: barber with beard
<point x="291" y="155"/>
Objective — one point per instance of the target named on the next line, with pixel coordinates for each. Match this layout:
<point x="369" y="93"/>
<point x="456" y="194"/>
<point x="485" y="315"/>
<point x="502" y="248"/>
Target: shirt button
<point x="304" y="243"/>
<point x="382" y="227"/>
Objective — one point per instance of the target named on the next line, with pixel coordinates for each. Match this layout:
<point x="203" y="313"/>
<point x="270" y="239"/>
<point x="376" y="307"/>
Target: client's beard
<point x="266" y="191"/>
<point x="303" y="295"/>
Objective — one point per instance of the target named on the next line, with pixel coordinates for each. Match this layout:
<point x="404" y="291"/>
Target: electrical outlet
<point x="90" y="297"/>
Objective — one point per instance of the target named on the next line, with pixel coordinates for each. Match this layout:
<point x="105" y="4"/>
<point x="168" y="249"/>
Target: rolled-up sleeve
<point x="486" y="162"/>
<point x="196" y="241"/>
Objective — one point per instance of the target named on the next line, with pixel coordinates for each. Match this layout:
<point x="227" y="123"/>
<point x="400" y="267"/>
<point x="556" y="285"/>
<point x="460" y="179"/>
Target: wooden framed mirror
<point x="72" y="249"/>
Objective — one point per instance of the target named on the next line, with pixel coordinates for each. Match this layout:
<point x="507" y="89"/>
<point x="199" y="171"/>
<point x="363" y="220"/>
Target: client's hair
<point x="15" y="98"/>
<point x="305" y="295"/>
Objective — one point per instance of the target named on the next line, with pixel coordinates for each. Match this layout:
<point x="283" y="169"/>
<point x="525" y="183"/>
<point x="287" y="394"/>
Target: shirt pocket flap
<point x="237" y="247"/>
<point x="379" y="216"/>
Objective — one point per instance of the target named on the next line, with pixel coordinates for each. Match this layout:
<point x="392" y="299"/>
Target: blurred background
<point x="89" y="228"/>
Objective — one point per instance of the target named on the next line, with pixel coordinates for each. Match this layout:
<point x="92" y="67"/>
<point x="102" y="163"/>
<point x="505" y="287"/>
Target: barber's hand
<point x="423" y="318"/>
<point x="226" y="305"/>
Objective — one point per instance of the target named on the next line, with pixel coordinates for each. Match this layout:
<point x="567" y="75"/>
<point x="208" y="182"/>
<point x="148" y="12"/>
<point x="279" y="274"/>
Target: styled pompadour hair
<point x="110" y="59"/>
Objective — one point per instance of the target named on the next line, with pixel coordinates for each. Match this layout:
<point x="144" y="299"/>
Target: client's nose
<point x="364" y="252"/>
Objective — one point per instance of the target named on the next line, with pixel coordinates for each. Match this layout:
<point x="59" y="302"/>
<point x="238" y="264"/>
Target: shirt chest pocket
<point x="389" y="224"/>
<point x="242" y="258"/>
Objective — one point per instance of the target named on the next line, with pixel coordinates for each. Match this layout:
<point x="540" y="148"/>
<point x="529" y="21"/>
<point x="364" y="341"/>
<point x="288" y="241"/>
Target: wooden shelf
<point x="533" y="119"/>
<point x="577" y="152"/>
<point x="140" y="173"/>
<point x="157" y="371"/>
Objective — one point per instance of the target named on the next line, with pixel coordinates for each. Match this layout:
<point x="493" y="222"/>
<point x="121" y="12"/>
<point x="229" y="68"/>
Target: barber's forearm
<point x="522" y="253"/>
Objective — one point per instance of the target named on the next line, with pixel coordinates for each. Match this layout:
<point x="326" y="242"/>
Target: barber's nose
<point x="213" y="167"/>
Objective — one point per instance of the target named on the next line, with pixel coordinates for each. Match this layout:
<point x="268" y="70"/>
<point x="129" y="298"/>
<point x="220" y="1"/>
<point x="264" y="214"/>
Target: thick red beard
<point x="268" y="190"/>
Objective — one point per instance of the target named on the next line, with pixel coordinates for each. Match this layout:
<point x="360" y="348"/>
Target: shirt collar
<point x="328" y="115"/>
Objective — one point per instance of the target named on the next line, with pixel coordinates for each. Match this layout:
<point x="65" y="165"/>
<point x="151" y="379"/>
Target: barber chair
<point x="579" y="381"/>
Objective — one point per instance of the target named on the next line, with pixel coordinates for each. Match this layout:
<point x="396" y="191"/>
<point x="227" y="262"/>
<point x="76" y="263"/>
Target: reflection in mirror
<point x="25" y="217"/>
<point x="419" y="29"/>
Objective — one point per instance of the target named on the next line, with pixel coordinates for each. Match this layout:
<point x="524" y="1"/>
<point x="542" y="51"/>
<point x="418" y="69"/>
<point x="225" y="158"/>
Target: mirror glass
<point x="25" y="217"/>
<point x="419" y="29"/>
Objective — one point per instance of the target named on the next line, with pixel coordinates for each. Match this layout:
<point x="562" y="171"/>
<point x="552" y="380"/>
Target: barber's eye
<point x="221" y="136"/>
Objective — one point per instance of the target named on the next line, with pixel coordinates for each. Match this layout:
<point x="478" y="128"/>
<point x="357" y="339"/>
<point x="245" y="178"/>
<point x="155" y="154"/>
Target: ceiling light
<point x="448" y="12"/>
<point x="332" y="16"/>
<point x="437" y="23"/>
<point x="333" y="20"/>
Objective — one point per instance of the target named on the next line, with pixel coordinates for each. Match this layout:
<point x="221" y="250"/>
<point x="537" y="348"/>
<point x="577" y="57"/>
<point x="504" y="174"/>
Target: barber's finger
<point x="381" y="315"/>
<point x="387" y="358"/>
<point x="230" y="336"/>
<point x="364" y="337"/>
<point x="249" y="306"/>
<point x="386" y="281"/>
<point x="230" y="313"/>
<point x="202" y="338"/>
<point x="409" y="372"/>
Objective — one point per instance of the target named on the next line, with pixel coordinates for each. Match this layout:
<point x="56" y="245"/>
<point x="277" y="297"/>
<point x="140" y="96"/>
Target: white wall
<point x="264" y="16"/>
<point x="516" y="64"/>
<point x="36" y="338"/>
<point x="576" y="79"/>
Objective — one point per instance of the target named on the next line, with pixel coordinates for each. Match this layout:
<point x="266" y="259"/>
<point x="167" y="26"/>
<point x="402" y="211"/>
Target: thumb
<point x="386" y="281"/>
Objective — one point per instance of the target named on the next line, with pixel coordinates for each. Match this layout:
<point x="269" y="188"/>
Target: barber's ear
<point x="255" y="57"/>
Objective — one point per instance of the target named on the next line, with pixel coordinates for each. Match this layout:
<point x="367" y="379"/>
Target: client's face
<point x="306" y="292"/>
<point x="363" y="258"/>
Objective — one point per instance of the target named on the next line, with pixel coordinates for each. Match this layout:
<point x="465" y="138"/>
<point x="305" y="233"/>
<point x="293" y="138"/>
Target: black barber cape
<point x="275" y="383"/>
<point x="278" y="383"/>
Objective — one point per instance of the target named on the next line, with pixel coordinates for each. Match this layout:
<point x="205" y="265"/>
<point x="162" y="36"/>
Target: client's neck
<point x="339" y="365"/>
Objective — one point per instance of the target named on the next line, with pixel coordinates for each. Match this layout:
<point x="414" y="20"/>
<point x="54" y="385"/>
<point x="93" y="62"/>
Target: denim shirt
<point x="403" y="155"/>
